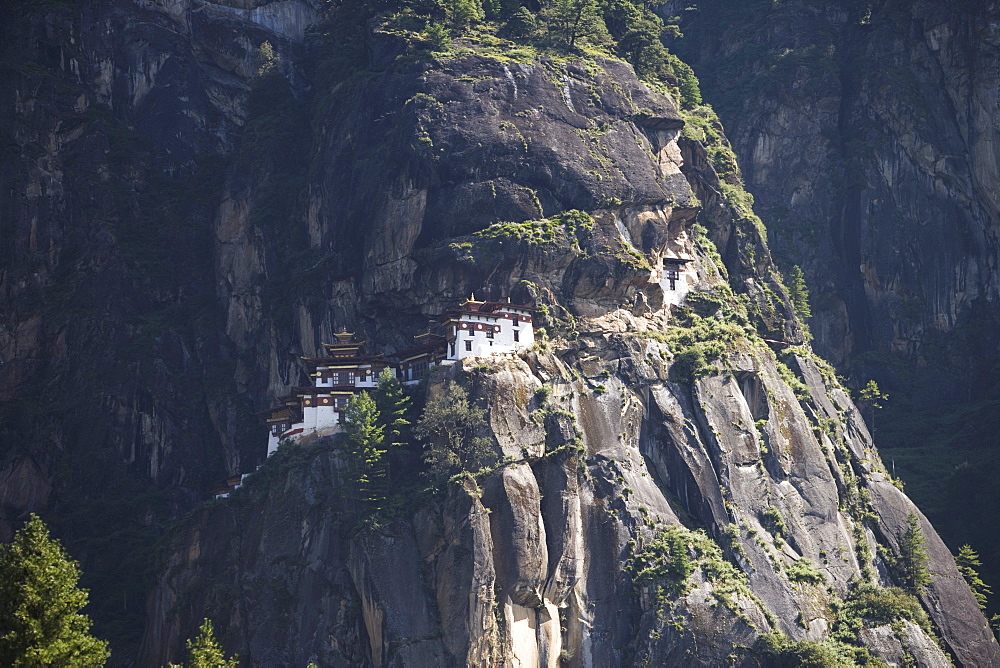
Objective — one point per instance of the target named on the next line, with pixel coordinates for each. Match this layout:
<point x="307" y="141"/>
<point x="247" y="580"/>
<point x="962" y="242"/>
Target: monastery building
<point x="473" y="329"/>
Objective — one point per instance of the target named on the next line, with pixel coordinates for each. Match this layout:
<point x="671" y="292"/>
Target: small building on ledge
<point x="480" y="329"/>
<point x="413" y="363"/>
<point x="474" y="329"/>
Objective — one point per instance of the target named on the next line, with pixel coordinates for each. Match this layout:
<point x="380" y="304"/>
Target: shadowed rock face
<point x="867" y="134"/>
<point x="173" y="312"/>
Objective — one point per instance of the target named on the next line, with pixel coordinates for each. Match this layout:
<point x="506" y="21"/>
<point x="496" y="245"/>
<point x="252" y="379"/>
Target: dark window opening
<point x="672" y="276"/>
<point x="468" y="345"/>
<point x="517" y="336"/>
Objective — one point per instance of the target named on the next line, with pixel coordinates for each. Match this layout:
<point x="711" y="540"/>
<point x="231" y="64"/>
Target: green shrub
<point x="664" y="561"/>
<point x="779" y="652"/>
<point x="869" y="605"/>
<point x="773" y="521"/>
<point x="803" y="572"/>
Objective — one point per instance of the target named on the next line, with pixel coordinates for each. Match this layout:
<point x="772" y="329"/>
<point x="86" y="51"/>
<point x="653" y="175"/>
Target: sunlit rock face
<point x="188" y="217"/>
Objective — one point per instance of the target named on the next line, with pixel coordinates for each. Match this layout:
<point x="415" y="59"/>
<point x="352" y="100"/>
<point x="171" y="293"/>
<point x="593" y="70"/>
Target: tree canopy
<point x="448" y="427"/>
<point x="911" y="564"/>
<point x="40" y="603"/>
<point x="968" y="563"/>
<point x="204" y="651"/>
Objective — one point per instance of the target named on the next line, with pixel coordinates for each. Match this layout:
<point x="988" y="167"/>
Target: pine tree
<point x="571" y="20"/>
<point x="968" y="564"/>
<point x="872" y="396"/>
<point x="366" y="447"/>
<point x="911" y="564"/>
<point x="204" y="651"/>
<point x="40" y="603"/>
<point x="392" y="404"/>
<point x="799" y="292"/>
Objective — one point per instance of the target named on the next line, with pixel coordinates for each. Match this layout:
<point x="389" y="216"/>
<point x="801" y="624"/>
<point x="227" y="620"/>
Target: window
<point x="468" y="345"/>
<point x="452" y="349"/>
<point x="517" y="336"/>
<point x="672" y="276"/>
<point x="489" y="334"/>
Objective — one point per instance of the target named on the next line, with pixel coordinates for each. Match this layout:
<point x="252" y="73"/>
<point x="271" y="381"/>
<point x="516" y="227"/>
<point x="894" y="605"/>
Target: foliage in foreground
<point x="204" y="651"/>
<point x="40" y="603"/>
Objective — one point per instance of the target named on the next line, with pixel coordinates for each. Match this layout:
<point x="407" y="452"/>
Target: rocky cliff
<point x="186" y="212"/>
<point x="865" y="130"/>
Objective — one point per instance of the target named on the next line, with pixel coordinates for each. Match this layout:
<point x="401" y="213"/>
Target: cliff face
<point x="118" y="406"/>
<point x="526" y="566"/>
<point x="525" y="563"/>
<point x="186" y="213"/>
<point x="866" y="132"/>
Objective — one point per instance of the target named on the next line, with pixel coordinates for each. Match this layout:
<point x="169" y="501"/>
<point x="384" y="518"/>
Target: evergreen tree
<point x="392" y="404"/>
<point x="872" y="396"/>
<point x="40" y="620"/>
<point x="637" y="30"/>
<point x="570" y="20"/>
<point x="911" y="563"/>
<point x="205" y="651"/>
<point x="522" y="24"/>
<point x="366" y="447"/>
<point x="968" y="564"/>
<point x="799" y="293"/>
<point x="448" y="426"/>
<point x="463" y="13"/>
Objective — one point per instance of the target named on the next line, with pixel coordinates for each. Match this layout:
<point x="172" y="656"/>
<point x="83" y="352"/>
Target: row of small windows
<point x="490" y="335"/>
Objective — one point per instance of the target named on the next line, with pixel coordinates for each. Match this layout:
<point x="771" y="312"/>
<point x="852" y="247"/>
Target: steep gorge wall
<point x="178" y="229"/>
<point x="524" y="565"/>
<point x="867" y="133"/>
<point x="118" y="406"/>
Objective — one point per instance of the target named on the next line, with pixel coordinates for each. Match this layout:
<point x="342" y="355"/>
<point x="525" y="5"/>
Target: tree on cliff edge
<point x="365" y="448"/>
<point x="204" y="651"/>
<point x="40" y="620"/>
<point x="448" y="427"/>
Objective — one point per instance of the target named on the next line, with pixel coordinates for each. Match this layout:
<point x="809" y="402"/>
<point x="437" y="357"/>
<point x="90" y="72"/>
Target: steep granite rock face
<point x="118" y="407"/>
<point x="867" y="134"/>
<point x="186" y="217"/>
<point x="525" y="564"/>
<point x="647" y="429"/>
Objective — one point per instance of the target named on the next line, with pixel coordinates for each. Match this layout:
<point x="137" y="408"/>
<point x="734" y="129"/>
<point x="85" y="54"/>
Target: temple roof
<point x="431" y="343"/>
<point x="473" y="307"/>
<point x="333" y="389"/>
<point x="344" y="360"/>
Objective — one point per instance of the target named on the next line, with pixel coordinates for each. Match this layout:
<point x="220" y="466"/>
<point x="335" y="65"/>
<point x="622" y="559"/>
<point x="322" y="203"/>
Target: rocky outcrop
<point x="207" y="214"/>
<point x="865" y="131"/>
<point x="115" y="377"/>
<point x="523" y="564"/>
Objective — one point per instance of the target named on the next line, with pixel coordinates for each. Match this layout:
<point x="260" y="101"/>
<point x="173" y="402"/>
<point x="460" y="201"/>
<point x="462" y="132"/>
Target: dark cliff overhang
<point x="651" y="122"/>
